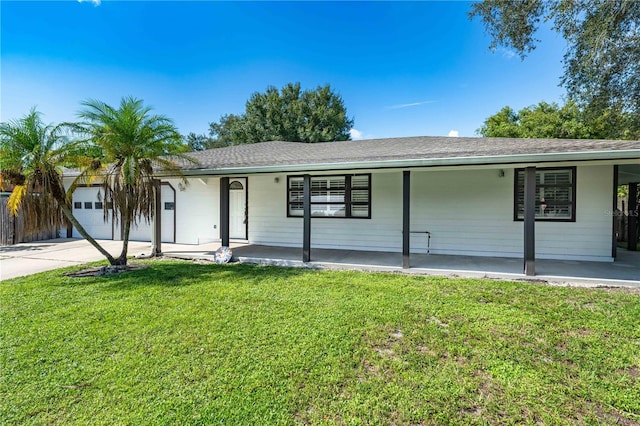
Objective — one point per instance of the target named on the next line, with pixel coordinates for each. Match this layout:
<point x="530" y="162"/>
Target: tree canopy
<point x="602" y="60"/>
<point x="200" y="142"/>
<point x="289" y="114"/>
<point x="549" y="120"/>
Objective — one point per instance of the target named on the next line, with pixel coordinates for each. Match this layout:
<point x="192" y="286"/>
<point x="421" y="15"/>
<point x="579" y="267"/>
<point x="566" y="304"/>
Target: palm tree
<point x="134" y="144"/>
<point x="31" y="158"/>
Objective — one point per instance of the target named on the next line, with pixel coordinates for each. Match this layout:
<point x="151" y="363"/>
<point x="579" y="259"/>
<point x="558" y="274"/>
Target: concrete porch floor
<point x="625" y="271"/>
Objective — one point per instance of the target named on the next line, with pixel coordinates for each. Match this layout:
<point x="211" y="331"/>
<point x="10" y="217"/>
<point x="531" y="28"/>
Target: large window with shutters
<point x="555" y="194"/>
<point x="336" y="196"/>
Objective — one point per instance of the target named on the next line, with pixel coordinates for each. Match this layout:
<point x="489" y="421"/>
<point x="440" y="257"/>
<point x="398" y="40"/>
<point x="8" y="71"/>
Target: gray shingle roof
<point x="397" y="149"/>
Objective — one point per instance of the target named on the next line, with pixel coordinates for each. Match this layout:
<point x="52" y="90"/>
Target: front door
<point x="238" y="208"/>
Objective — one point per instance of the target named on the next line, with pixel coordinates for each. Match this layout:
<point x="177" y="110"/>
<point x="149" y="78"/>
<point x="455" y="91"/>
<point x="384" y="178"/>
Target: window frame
<point x="348" y="189"/>
<point x="572" y="186"/>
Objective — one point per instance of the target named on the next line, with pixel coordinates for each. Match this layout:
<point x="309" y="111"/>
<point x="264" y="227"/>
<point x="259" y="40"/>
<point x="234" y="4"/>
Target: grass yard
<point x="624" y="245"/>
<point x="185" y="343"/>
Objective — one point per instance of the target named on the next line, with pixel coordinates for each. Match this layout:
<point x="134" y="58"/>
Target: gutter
<point x="424" y="162"/>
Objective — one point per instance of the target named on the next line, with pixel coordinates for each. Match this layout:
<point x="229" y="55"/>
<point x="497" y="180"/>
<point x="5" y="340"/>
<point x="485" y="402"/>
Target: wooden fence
<point x="621" y="227"/>
<point x="12" y="229"/>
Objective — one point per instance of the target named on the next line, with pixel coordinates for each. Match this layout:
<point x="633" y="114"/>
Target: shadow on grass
<point x="185" y="273"/>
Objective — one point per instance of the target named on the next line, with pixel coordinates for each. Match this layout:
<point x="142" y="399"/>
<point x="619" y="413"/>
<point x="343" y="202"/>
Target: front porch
<point x="476" y="221"/>
<point x="625" y="271"/>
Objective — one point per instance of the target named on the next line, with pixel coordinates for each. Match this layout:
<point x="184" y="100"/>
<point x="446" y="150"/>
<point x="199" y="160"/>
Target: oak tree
<point x="289" y="114"/>
<point x="602" y="60"/>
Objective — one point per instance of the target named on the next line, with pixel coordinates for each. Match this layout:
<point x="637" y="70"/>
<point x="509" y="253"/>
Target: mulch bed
<point x="105" y="270"/>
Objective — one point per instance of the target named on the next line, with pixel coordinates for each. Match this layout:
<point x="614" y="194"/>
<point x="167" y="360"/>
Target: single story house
<point x="500" y="197"/>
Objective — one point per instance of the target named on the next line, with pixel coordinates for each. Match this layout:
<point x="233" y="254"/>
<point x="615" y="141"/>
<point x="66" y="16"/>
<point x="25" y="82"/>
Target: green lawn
<point x="185" y="343"/>
<point x="624" y="245"/>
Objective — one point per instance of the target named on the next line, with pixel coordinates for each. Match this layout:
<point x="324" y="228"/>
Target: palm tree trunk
<point x="122" y="259"/>
<point x="67" y="212"/>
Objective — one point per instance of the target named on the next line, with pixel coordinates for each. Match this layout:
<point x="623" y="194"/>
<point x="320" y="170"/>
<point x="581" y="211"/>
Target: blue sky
<point x="402" y="68"/>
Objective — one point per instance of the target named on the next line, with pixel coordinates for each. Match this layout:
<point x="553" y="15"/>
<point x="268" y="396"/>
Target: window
<point x="169" y="206"/>
<point x="235" y="185"/>
<point x="555" y="194"/>
<point x="77" y="205"/>
<point x="338" y="196"/>
<point x="88" y="204"/>
<point x="98" y="205"/>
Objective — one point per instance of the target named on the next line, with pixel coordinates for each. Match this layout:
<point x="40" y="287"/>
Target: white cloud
<point x="95" y="2"/>
<point x="453" y="133"/>
<point x="412" y="104"/>
<point x="356" y="134"/>
<point x="507" y="53"/>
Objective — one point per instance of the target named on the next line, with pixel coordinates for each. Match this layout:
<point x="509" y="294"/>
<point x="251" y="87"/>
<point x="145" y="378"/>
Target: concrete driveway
<point x="38" y="256"/>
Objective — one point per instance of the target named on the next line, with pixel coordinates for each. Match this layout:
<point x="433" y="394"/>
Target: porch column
<point x="632" y="231"/>
<point x="156" y="219"/>
<point x="530" y="221"/>
<point x="306" y="221"/>
<point x="614" y="209"/>
<point x="224" y="211"/>
<point x="69" y="229"/>
<point x="406" y="204"/>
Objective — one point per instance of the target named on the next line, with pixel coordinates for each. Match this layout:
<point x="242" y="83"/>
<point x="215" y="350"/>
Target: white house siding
<point x="471" y="212"/>
<point x="142" y="231"/>
<point x="269" y="224"/>
<point x="197" y="213"/>
<point x="197" y="210"/>
<point x="468" y="212"/>
<point x="267" y="209"/>
<point x="590" y="237"/>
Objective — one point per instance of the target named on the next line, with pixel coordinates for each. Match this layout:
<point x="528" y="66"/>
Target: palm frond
<point x="15" y="199"/>
<point x="135" y="145"/>
<point x="33" y="154"/>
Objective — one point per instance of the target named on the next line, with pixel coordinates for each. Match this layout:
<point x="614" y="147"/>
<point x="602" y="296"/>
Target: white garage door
<point x="88" y="209"/>
<point x="142" y="232"/>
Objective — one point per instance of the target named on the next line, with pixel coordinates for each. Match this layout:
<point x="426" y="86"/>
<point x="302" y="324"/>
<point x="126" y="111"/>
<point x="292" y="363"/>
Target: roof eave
<point x="424" y="162"/>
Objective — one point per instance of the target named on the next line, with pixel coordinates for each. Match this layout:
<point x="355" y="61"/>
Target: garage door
<point x="142" y="232"/>
<point x="88" y="209"/>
